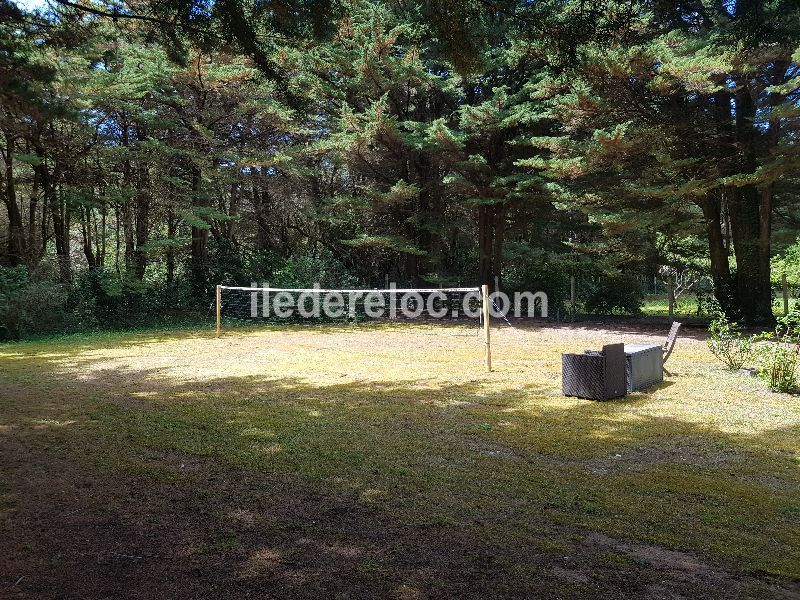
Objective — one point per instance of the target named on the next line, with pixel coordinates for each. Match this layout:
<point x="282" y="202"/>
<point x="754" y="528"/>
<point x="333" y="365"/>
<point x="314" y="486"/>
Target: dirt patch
<point x="671" y="571"/>
<point x="671" y="452"/>
<point x="491" y="448"/>
<point x="174" y="461"/>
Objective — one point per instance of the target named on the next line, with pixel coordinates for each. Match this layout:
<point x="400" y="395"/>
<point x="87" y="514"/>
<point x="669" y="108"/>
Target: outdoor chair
<point x="669" y="345"/>
<point x="595" y="375"/>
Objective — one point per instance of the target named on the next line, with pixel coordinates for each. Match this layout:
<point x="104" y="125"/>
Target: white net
<point x="265" y="304"/>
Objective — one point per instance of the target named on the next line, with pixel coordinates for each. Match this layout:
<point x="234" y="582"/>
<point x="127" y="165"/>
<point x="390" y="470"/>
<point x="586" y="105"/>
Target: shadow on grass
<point x="125" y="482"/>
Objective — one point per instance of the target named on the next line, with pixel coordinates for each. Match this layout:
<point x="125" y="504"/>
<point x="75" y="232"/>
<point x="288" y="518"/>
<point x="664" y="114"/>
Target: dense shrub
<point x="28" y="305"/>
<point x="613" y="294"/>
<point x="788" y="265"/>
<point x="305" y="271"/>
<point x="107" y="299"/>
<point x="529" y="269"/>
<point x="34" y="304"/>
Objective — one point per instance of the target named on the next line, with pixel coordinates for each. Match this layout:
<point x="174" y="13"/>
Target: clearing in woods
<point x="382" y="461"/>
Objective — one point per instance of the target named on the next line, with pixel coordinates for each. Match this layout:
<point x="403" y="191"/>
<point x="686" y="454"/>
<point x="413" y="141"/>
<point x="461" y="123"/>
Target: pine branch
<point x="114" y="14"/>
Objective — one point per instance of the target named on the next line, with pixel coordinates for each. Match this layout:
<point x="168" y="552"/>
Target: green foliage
<point x="613" y="294"/>
<point x="727" y="342"/>
<point x="443" y="144"/>
<point x="305" y="271"/>
<point x="530" y="268"/>
<point x="39" y="304"/>
<point x="787" y="264"/>
<point x="102" y="298"/>
<point x="779" y="355"/>
<point x="648" y="145"/>
<point x="29" y="306"/>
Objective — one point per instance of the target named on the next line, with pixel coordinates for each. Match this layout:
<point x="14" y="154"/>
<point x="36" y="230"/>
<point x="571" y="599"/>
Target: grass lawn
<point x="657" y="305"/>
<point x="381" y="461"/>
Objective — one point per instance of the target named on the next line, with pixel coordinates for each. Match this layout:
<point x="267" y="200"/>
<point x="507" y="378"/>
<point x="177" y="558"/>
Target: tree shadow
<point x="126" y="482"/>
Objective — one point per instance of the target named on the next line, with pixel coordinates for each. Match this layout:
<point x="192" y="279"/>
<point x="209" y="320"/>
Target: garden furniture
<point x="595" y="375"/>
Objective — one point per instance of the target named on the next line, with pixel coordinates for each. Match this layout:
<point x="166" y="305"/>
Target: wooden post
<point x="671" y="293"/>
<point x="785" y="295"/>
<point x="486" y="334"/>
<point x="219" y="307"/>
<point x="572" y="290"/>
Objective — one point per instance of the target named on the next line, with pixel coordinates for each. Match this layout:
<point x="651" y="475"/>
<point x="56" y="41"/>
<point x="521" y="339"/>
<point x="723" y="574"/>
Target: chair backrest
<point x="615" y="370"/>
<point x="670" y="343"/>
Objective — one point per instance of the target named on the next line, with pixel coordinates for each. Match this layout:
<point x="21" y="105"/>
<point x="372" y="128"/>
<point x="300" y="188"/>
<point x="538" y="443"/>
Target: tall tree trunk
<point x="59" y="215"/>
<point x="63" y="236"/>
<point x="261" y="202"/>
<point x="753" y="286"/>
<point x="117" y="245"/>
<point x="126" y="207"/>
<point x="86" y="235"/>
<point x="171" y="231"/>
<point x="199" y="241"/>
<point x="17" y="246"/>
<point x="33" y="209"/>
<point x="491" y="231"/>
<point x="233" y="211"/>
<point x="100" y="231"/>
<point x="750" y="226"/>
<point x="766" y="195"/>
<point x="128" y="234"/>
<point x="720" y="268"/>
<point x="142" y="217"/>
<point x="142" y="223"/>
<point x="499" y="235"/>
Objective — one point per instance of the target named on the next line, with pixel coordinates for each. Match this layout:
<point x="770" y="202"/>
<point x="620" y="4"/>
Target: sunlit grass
<point x="657" y="305"/>
<point x="406" y="418"/>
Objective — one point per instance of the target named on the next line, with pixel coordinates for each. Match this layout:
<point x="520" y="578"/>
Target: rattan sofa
<point x="595" y="375"/>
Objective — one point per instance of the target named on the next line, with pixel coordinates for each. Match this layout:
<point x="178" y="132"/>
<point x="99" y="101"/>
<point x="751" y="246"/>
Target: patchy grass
<point x="380" y="460"/>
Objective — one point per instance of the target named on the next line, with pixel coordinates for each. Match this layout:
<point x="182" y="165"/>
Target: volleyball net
<point x="253" y="304"/>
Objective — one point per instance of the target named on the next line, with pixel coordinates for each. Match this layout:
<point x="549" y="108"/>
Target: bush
<point x="727" y="343"/>
<point x="778" y="365"/>
<point x="305" y="271"/>
<point x="531" y="269"/>
<point x="105" y="298"/>
<point x="778" y="359"/>
<point x="614" y="294"/>
<point x="29" y="306"/>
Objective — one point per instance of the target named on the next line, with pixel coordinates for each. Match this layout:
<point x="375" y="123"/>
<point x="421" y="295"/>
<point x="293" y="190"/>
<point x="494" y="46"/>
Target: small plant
<point x="728" y="344"/>
<point x="572" y="309"/>
<point x="778" y="358"/>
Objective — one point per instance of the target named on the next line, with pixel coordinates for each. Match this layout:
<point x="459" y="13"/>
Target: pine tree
<point x="685" y="115"/>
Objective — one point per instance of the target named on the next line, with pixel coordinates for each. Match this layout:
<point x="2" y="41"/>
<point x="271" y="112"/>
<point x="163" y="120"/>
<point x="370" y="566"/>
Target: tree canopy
<point x="170" y="145"/>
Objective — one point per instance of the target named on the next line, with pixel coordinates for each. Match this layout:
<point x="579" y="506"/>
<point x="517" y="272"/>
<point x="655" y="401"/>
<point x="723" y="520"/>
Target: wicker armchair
<point x="596" y="375"/>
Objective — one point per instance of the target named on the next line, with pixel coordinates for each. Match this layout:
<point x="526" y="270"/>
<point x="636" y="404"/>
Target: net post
<point x="219" y="307"/>
<point x="486" y="334"/>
